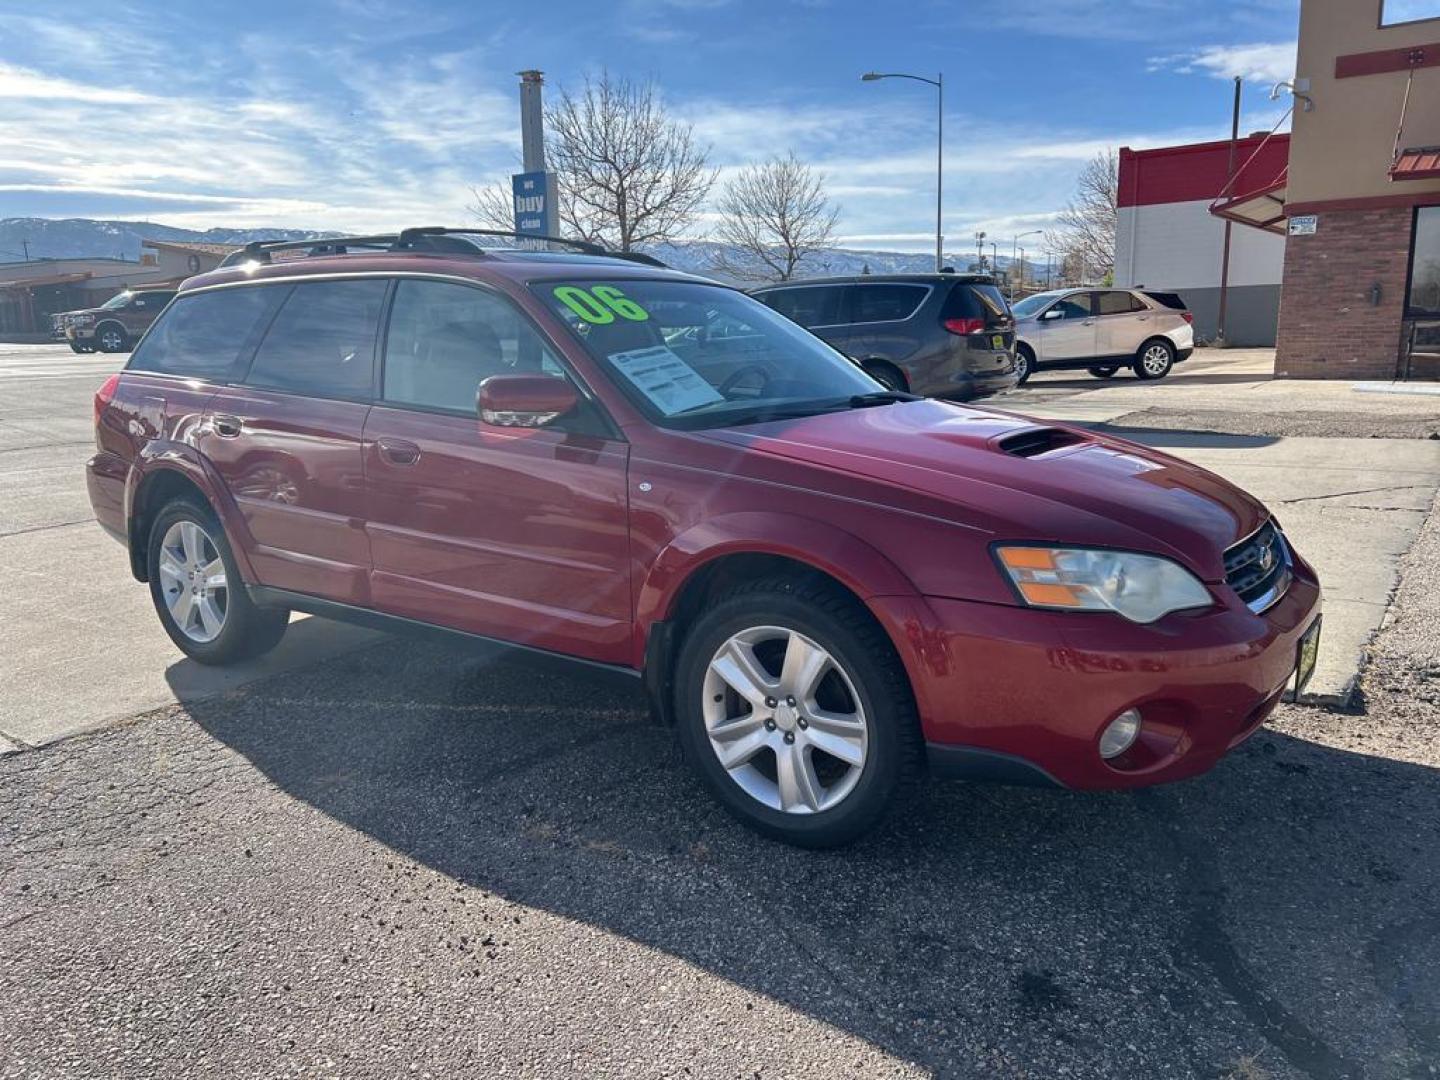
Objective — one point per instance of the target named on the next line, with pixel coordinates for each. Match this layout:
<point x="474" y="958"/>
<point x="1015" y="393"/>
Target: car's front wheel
<point x="112" y="338"/>
<point x="1156" y="359"/>
<point x="197" y="591"/>
<point x="796" y="712"/>
<point x="76" y="347"/>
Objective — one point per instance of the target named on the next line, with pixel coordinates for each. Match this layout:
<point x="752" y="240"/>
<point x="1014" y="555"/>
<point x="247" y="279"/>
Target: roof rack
<point x="428" y="238"/>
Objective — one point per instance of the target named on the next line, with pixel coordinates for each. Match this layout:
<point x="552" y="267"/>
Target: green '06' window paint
<point x="601" y="304"/>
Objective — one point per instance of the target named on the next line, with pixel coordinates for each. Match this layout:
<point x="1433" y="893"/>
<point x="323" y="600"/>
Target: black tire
<point x="76" y="347"/>
<point x="887" y="375"/>
<point x="1024" y="363"/>
<point x="838" y="623"/>
<point x="247" y="631"/>
<point x="111" y="338"/>
<point x="1148" y="365"/>
<point x="1102" y="372"/>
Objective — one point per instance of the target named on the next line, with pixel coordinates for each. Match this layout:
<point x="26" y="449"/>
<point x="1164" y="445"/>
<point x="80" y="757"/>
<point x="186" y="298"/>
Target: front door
<point x="1065" y="332"/>
<point x="516" y="534"/>
<point x="287" y="441"/>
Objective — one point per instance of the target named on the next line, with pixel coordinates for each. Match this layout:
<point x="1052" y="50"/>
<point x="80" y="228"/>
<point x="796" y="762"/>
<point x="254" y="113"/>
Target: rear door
<point x="513" y="533"/>
<point x="1122" y="322"/>
<point x="1065" y="331"/>
<point x="882" y="323"/>
<point x="287" y="441"/>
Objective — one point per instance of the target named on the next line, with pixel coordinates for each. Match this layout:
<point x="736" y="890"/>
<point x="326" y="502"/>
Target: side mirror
<point x="1053" y="313"/>
<point x="524" y="401"/>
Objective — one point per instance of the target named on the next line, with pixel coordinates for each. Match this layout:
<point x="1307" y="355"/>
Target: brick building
<point x="1361" y="197"/>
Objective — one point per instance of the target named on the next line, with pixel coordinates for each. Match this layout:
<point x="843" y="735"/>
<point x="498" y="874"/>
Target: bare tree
<point x="1086" y="234"/>
<point x="628" y="174"/>
<point x="773" y="214"/>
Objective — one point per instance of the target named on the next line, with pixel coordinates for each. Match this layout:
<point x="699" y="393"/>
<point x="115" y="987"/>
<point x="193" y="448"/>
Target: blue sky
<point x="369" y="114"/>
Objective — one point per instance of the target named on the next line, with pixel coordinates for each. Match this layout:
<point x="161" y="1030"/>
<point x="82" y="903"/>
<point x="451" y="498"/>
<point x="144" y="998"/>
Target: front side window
<point x="203" y="335"/>
<point x="886" y="303"/>
<point x="695" y="355"/>
<point x="323" y="340"/>
<point x="809" y="305"/>
<point x="445" y="339"/>
<point x="1424" y="296"/>
<point x="1074" y="307"/>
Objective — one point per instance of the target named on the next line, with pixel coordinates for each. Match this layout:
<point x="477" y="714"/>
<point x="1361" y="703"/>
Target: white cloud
<point x="1261" y="63"/>
<point x="23" y="83"/>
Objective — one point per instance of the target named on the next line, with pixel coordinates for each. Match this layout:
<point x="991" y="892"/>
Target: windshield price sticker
<point x="671" y="384"/>
<point x="601" y="304"/>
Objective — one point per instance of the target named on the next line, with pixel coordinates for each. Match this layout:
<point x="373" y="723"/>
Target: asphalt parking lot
<point x="377" y="858"/>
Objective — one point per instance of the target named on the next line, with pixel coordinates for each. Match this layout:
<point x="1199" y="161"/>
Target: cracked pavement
<point x="412" y="860"/>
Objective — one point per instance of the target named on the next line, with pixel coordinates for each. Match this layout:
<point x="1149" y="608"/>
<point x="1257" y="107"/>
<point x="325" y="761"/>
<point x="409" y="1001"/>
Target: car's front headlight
<point x="1140" y="587"/>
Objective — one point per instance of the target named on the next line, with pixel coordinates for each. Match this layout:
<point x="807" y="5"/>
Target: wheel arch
<point x="1160" y="339"/>
<point x="699" y="564"/>
<point x="161" y="475"/>
<point x="881" y="362"/>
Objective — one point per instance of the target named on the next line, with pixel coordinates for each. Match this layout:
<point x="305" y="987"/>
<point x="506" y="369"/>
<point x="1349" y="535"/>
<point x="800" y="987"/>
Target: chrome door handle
<point x="227" y="427"/>
<point x="398" y="452"/>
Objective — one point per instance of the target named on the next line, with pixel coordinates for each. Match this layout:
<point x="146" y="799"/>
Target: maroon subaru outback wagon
<point x="826" y="587"/>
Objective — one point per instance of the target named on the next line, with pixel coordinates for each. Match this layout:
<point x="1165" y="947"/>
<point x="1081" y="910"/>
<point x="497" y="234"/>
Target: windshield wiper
<point x="881" y="397"/>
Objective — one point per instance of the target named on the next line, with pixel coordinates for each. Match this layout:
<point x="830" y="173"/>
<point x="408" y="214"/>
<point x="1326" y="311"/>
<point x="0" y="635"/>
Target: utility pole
<point x="980" y="249"/>
<point x="533" y="190"/>
<point x="25" y="247"/>
<point x="1225" y="251"/>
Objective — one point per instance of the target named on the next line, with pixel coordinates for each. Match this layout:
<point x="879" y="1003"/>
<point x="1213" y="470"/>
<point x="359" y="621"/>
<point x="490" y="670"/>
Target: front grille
<point x="1258" y="567"/>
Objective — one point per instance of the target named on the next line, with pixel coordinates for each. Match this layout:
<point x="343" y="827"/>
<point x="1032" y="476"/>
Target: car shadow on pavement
<point x="1161" y="438"/>
<point x="1283" y="905"/>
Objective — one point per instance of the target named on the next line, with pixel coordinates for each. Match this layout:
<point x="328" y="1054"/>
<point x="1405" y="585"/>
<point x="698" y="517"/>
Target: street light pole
<point x="1015" y="248"/>
<point x="939" y="83"/>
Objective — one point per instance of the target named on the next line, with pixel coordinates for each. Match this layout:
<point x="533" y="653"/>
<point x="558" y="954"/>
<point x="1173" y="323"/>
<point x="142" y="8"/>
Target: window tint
<point x="980" y="301"/>
<point x="323" y="340"/>
<point x="445" y="339"/>
<point x="1074" y="307"/>
<point x="1169" y="299"/>
<point x="1115" y="303"/>
<point x="812" y="305"/>
<point x="1425" y="263"/>
<point x="203" y="335"/>
<point x="885" y="303"/>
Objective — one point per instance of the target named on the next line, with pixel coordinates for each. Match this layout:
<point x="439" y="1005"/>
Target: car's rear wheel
<point x="887" y="375"/>
<point x="1024" y="364"/>
<point x="1155" y="359"/>
<point x="198" y="593"/>
<point x="1102" y="372"/>
<point x="112" y="338"/>
<point x="796" y="712"/>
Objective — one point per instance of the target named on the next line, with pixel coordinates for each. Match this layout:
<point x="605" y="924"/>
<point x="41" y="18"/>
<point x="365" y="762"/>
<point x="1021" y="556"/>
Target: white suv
<point x="1102" y="330"/>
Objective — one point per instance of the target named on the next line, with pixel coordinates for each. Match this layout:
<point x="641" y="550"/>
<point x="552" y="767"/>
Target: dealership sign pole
<point x="533" y="190"/>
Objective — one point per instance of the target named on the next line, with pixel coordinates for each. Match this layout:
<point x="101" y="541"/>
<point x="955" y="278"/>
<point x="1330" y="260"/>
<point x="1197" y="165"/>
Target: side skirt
<point x="268" y="597"/>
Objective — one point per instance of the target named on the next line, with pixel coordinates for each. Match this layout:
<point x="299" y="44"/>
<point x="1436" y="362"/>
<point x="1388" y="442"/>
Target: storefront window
<point x="1425" y="263"/>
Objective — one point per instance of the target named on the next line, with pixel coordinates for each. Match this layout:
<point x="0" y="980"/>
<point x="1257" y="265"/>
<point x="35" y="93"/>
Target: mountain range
<point x="69" y="238"/>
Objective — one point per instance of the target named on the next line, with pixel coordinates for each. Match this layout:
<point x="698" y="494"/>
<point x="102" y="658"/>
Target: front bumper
<point x="80" y="333"/>
<point x="1022" y="695"/>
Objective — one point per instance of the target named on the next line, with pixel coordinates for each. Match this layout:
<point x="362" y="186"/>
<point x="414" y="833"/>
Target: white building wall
<point x="1179" y="246"/>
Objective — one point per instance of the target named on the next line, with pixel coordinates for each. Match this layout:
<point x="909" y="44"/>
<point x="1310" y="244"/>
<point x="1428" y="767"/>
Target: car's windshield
<point x="1023" y="309"/>
<point x="696" y="355"/>
<point x="119" y="300"/>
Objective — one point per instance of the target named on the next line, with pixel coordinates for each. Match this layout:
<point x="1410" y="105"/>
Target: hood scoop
<point x="1037" y="441"/>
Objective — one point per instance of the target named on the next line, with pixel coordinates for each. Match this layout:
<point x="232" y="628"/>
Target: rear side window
<point x="203" y="335"/>
<point x="886" y="303"/>
<point x="980" y="301"/>
<point x="1116" y="303"/>
<point x="323" y="341"/>
<point x="812" y="305"/>
<point x="1168" y="299"/>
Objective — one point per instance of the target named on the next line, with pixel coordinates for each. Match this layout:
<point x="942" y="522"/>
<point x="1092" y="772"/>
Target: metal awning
<point x="1416" y="163"/>
<point x="1262" y="208"/>
<point x="43" y="279"/>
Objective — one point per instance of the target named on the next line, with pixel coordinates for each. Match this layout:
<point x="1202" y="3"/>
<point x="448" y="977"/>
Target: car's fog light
<point x="1120" y="734"/>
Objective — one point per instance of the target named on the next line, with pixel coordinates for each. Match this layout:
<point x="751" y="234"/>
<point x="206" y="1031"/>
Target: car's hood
<point x="1022" y="479"/>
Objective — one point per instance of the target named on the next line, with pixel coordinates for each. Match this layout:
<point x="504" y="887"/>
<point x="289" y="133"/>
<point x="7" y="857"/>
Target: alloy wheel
<point x="111" y="340"/>
<point x="192" y="581"/>
<point x="784" y="719"/>
<point x="1156" y="360"/>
